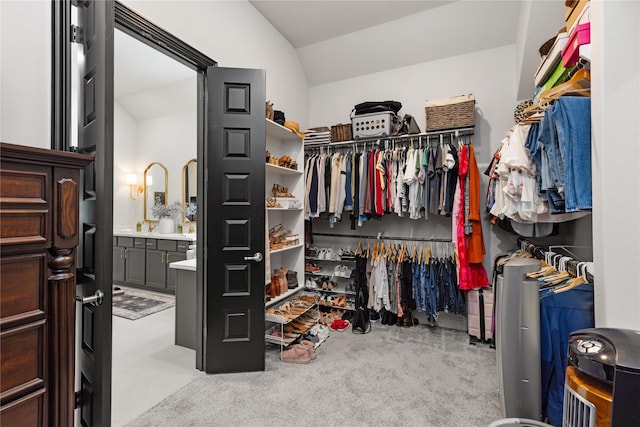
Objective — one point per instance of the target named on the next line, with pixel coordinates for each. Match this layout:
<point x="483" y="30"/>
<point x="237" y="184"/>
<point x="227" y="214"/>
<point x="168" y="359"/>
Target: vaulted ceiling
<point x="365" y="37"/>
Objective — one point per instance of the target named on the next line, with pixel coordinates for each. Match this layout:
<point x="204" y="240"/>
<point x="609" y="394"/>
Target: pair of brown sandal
<point x="287" y="162"/>
<point x="280" y="191"/>
<point x="272" y="203"/>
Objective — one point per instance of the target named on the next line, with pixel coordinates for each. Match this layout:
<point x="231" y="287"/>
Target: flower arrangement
<point x="174" y="211"/>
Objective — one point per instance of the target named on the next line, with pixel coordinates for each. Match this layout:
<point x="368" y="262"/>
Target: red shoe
<point x="340" y="325"/>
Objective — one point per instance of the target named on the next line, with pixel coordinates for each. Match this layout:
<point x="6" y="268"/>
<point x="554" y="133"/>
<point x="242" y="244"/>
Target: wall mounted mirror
<point x="156" y="180"/>
<point x="189" y="190"/>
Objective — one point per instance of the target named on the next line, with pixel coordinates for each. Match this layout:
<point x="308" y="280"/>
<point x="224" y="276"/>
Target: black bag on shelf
<point x="408" y="126"/>
<point x="278" y="117"/>
<point x="376" y="107"/>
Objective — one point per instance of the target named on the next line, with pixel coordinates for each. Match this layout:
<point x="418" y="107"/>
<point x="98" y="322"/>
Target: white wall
<point x="25" y="72"/>
<point x="234" y="34"/>
<point x="169" y="140"/>
<point x="615" y="37"/>
<point x="490" y="75"/>
<point x="125" y="134"/>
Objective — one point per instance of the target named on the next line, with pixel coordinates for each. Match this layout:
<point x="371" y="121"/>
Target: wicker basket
<point x="341" y="132"/>
<point x="450" y="113"/>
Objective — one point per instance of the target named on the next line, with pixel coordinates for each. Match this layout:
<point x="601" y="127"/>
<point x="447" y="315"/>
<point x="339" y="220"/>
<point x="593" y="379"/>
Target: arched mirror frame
<point x="146" y="189"/>
<point x="185" y="172"/>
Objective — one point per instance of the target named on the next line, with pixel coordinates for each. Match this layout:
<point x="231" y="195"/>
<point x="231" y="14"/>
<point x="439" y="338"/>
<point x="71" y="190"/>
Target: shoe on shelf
<point x="342" y="271"/>
<point x="280" y="191"/>
<point x="351" y="287"/>
<point x="313" y="252"/>
<point x="311" y="267"/>
<point x="328" y="255"/>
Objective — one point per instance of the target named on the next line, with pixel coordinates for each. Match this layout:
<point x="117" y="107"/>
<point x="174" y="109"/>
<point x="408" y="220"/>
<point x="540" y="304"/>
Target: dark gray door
<point x="135" y="261"/>
<point x="234" y="217"/>
<point x="156" y="270"/>
<point x="96" y="20"/>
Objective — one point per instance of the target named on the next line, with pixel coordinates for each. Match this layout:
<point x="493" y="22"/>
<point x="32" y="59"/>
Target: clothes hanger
<point x="358" y="248"/>
<point x="543" y="272"/>
<point x="576" y="281"/>
<point x="578" y="84"/>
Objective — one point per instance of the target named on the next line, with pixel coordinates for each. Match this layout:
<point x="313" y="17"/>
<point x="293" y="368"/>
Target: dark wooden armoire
<point x="39" y="214"/>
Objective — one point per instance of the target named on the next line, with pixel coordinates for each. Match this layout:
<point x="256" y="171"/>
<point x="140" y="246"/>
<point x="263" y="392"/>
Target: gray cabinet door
<point x="172" y="273"/>
<point x="134" y="271"/>
<point x="156" y="269"/>
<point x="118" y="264"/>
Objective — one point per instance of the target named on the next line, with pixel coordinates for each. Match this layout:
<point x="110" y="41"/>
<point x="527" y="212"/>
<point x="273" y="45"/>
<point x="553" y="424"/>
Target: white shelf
<point x="283" y="320"/>
<point x="282" y="141"/>
<point x="308" y="258"/>
<point x="284" y="209"/>
<point x="287" y="248"/>
<point x="339" y="290"/>
<point x="275" y="130"/>
<point x="284" y="296"/>
<point x="329" y="273"/>
<point x="282" y="170"/>
<point x="277" y="340"/>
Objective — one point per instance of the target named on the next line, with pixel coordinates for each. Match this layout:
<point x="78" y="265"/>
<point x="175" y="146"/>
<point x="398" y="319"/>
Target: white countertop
<point x="188" y="264"/>
<point x="154" y="235"/>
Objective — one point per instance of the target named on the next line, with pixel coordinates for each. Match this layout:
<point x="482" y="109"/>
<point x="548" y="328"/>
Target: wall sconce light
<point x="134" y="189"/>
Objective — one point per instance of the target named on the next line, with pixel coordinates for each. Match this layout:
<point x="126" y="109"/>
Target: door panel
<point x="156" y="274"/>
<point x="234" y="203"/>
<point x="95" y="136"/>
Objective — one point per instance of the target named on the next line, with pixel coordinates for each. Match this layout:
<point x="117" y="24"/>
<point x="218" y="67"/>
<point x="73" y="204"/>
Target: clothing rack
<point x="394" y="138"/>
<point x="572" y="266"/>
<point x="379" y="236"/>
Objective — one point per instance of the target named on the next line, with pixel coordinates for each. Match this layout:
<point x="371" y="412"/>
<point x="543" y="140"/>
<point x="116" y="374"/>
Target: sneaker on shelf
<point x="321" y="331"/>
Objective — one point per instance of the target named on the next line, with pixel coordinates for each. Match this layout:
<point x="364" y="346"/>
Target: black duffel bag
<point x="376" y="107"/>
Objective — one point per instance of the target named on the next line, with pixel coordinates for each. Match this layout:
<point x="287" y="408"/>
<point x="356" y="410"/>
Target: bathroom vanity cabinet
<point x="143" y="262"/>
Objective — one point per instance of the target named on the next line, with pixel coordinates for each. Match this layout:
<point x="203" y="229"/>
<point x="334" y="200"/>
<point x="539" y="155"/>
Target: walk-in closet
<point x="320" y="213"/>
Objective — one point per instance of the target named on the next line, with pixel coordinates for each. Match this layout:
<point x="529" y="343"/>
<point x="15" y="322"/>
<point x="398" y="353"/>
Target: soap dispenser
<point x="138" y="227"/>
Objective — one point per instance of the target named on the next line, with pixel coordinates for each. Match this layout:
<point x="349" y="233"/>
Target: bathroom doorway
<point x="230" y="147"/>
<point x="155" y="137"/>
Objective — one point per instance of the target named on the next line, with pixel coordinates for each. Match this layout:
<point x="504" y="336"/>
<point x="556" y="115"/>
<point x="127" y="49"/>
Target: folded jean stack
<point x="317" y="135"/>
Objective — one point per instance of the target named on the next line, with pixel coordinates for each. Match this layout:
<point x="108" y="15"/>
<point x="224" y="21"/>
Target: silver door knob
<point x="257" y="257"/>
<point x="95" y="299"/>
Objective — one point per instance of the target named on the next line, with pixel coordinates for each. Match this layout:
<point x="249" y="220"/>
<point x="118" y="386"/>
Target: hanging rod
<point x="454" y="132"/>
<point x="381" y="237"/>
<point x="539" y="253"/>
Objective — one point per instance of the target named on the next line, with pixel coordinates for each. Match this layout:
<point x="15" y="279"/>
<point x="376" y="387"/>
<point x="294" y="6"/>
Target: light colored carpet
<point x="417" y="376"/>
